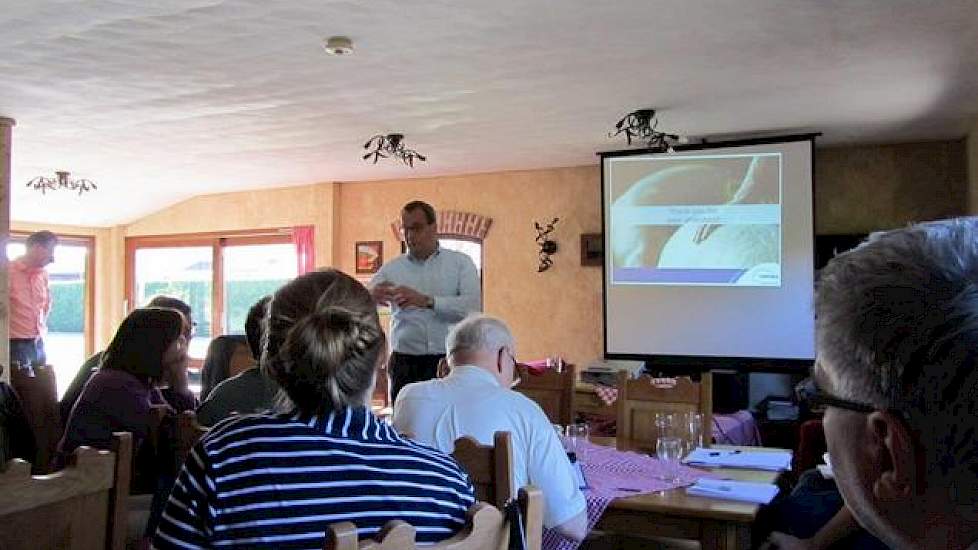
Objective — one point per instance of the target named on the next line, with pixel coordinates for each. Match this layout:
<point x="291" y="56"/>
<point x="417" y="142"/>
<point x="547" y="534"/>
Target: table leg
<point x="722" y="535"/>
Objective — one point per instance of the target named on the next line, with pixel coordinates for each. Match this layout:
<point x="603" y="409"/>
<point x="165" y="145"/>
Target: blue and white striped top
<point x="277" y="481"/>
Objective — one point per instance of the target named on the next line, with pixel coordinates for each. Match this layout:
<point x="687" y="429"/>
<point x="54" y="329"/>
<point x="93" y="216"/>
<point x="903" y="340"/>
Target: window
<point x="469" y="247"/>
<point x="69" y="340"/>
<point x="184" y="272"/>
<point x="221" y="277"/>
<point x="250" y="272"/>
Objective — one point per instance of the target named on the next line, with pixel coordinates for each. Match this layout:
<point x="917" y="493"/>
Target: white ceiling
<point x="160" y="101"/>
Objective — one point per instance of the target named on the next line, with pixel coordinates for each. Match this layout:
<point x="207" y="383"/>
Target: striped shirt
<point x="277" y="481"/>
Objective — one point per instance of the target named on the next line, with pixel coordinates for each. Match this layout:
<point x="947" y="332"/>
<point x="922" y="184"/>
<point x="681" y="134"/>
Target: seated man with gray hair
<point x="475" y="400"/>
<point x="897" y="369"/>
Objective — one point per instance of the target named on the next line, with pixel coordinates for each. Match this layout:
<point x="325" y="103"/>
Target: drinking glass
<point x="669" y="451"/>
<point x="694" y="429"/>
<point x="666" y="424"/>
<point x="576" y="433"/>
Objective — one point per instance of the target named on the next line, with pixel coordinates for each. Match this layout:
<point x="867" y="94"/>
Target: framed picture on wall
<point x="370" y="256"/>
<point x="592" y="249"/>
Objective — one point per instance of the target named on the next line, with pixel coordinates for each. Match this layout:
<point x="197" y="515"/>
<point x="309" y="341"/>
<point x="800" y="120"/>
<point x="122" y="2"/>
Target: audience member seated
<point x="897" y="372"/>
<point x="150" y="346"/>
<point x="276" y="481"/>
<point x="16" y="437"/>
<point x="221" y="353"/>
<point x="88" y="368"/>
<point x="814" y="517"/>
<point x="474" y="400"/>
<point x="250" y="391"/>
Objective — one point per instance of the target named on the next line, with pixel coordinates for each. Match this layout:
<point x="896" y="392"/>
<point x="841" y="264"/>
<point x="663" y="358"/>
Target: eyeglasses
<point x="822" y="398"/>
<point x="517" y="367"/>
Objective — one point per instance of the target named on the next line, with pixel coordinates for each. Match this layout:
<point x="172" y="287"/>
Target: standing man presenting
<point x="429" y="289"/>
<point x="30" y="299"/>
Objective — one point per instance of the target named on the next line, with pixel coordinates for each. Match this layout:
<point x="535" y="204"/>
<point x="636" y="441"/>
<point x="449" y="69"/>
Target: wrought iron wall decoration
<point x="391" y="146"/>
<point x="641" y="125"/>
<point x="62" y="180"/>
<point x="547" y="246"/>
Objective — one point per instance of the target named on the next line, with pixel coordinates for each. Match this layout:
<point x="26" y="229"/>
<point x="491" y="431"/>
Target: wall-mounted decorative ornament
<point x="391" y="146"/>
<point x="547" y="246"/>
<point x="641" y="125"/>
<point x="62" y="180"/>
<point x="453" y="224"/>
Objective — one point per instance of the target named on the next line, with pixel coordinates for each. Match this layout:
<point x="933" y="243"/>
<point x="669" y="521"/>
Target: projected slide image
<point x="696" y="220"/>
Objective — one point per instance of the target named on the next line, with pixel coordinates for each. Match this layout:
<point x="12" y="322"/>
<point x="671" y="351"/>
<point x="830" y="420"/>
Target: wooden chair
<point x="486" y="529"/>
<point x="553" y="391"/>
<point x="188" y="433"/>
<point x="638" y="401"/>
<point x="490" y="468"/>
<point x="81" y="507"/>
<point x="38" y="393"/>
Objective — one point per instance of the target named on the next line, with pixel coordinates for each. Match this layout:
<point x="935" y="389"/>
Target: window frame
<point x="87" y="241"/>
<point x="217" y="241"/>
<point x="482" y="256"/>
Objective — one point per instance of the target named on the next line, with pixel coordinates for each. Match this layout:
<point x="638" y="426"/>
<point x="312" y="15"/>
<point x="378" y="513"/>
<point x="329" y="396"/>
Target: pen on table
<point x="717" y="453"/>
<point x="628" y="490"/>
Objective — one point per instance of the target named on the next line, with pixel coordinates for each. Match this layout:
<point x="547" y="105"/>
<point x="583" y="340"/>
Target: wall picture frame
<point x="369" y="256"/>
<point x="592" y="249"/>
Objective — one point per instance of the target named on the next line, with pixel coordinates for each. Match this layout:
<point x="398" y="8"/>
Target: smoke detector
<point x="338" y="45"/>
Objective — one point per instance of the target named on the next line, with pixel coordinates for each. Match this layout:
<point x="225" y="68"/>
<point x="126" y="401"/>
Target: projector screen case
<point x="709" y="255"/>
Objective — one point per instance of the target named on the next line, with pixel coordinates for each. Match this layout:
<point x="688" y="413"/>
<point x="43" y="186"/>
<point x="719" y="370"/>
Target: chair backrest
<point x="490" y="468"/>
<point x="82" y="506"/>
<point x="486" y="529"/>
<point x="38" y="392"/>
<point x="188" y="433"/>
<point x="553" y="391"/>
<point x="639" y="401"/>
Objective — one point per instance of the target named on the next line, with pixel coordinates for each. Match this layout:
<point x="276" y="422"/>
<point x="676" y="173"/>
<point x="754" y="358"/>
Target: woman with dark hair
<point x="277" y="481"/>
<point x="149" y="344"/>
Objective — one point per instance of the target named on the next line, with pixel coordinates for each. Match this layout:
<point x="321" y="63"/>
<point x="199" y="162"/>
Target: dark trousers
<point x="27" y="351"/>
<point x="405" y="369"/>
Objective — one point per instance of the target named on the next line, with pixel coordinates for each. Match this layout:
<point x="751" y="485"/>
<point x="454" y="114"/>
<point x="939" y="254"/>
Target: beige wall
<point x="6" y="134"/>
<point x="551" y="312"/>
<point x="109" y="267"/>
<point x="861" y="189"/>
<point x="260" y="209"/>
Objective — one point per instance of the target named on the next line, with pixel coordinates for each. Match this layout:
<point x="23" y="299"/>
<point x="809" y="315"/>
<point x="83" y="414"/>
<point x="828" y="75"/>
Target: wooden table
<point x="716" y="524"/>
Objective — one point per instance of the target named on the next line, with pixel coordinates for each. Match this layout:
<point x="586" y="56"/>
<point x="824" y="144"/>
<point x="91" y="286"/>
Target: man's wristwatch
<point x="429" y="302"/>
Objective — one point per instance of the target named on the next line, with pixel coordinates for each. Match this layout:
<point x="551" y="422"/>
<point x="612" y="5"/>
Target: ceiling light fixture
<point x="338" y="45"/>
<point x="641" y="125"/>
<point x="62" y="180"/>
<point x="390" y="146"/>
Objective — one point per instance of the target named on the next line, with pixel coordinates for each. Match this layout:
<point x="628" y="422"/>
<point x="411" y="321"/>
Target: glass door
<point x="68" y="342"/>
<point x="184" y="272"/>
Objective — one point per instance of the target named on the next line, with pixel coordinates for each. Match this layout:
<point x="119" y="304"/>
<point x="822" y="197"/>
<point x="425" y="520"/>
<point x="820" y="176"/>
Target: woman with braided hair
<point x="278" y="480"/>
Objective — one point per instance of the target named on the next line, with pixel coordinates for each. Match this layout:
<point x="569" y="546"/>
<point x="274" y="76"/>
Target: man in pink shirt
<point x="30" y="299"/>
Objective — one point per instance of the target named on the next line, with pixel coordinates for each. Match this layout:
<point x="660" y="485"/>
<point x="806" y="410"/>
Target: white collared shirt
<point x="450" y="278"/>
<point x="470" y="401"/>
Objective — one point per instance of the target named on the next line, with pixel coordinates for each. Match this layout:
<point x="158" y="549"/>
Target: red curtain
<point x="304" y="237"/>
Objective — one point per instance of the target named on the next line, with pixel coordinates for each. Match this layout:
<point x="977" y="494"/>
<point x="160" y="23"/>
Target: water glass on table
<point x="576" y="433"/>
<point x="694" y="431"/>
<point x="669" y="451"/>
<point x="667" y="424"/>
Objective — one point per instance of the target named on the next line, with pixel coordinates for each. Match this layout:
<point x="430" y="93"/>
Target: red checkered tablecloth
<point x="612" y="474"/>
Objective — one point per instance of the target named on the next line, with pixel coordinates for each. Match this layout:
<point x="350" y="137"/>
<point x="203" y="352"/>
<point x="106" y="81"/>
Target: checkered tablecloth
<point x="612" y="474"/>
